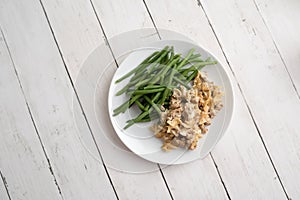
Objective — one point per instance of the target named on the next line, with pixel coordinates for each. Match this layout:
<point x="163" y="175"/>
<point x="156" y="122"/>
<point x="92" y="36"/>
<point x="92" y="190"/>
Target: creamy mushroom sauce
<point x="189" y="114"/>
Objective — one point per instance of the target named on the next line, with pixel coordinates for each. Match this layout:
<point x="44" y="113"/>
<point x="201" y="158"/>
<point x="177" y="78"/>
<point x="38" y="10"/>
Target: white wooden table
<point x="42" y="46"/>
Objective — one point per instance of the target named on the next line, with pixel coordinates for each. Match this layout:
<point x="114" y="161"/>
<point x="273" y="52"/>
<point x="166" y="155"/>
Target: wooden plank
<point x="64" y="15"/>
<point x="120" y="16"/>
<point x="3" y="191"/>
<point x="282" y="20"/>
<point x="265" y="83"/>
<point x="49" y="95"/>
<point x="240" y="155"/>
<point x="195" y="180"/>
<point x="114" y="20"/>
<point x="22" y="161"/>
<point x="83" y="33"/>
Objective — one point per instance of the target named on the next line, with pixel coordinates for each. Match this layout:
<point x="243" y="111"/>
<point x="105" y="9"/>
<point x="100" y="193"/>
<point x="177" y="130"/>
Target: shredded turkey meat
<point x="189" y="114"/>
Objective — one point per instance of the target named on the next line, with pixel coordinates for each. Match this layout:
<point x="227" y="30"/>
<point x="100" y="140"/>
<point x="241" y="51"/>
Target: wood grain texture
<point x="79" y="12"/>
<point x="240" y="155"/>
<point x="260" y="39"/>
<point x="265" y="82"/>
<point x="3" y="192"/>
<point x="120" y="16"/>
<point x="49" y="95"/>
<point x="282" y="20"/>
<point x="195" y="180"/>
<point x="77" y="29"/>
<point x="112" y="20"/>
<point x="22" y="161"/>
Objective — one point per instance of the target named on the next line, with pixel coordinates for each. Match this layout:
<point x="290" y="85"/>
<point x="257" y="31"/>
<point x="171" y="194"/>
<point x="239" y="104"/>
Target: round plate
<point x="139" y="138"/>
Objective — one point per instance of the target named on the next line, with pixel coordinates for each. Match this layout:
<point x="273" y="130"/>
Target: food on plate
<point x="189" y="114"/>
<point x="152" y="81"/>
<point x="170" y="87"/>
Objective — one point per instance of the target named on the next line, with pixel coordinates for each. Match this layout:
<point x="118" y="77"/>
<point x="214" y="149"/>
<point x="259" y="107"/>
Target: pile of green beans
<point x="153" y="80"/>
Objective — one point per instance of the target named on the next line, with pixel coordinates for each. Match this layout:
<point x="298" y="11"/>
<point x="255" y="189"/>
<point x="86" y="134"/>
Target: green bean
<point x="140" y="105"/>
<point x="130" y="123"/>
<point x="195" y="56"/>
<point x="138" y="75"/>
<point x="121" y="108"/>
<point x="158" y="61"/>
<point x="145" y="120"/>
<point x="196" y="60"/>
<point x="185" y="61"/>
<point x="165" y="95"/>
<point x="130" y="93"/>
<point x="154" y="86"/>
<point x="171" y="75"/>
<point x="134" y="98"/>
<point x="157" y="95"/>
<point x="167" y="91"/>
<point x="154" y="62"/>
<point x="164" y="60"/>
<point x="126" y="87"/>
<point x="182" y="83"/>
<point x="148" y="91"/>
<point x="200" y="65"/>
<point x="143" y="82"/>
<point x="140" y="117"/>
<point x="154" y="57"/>
<point x="172" y="53"/>
<point x="138" y="83"/>
<point x="186" y="58"/>
<point x="164" y="71"/>
<point x="137" y="68"/>
<point x="158" y="68"/>
<point x="196" y="66"/>
<point x="192" y="76"/>
<point x="152" y="104"/>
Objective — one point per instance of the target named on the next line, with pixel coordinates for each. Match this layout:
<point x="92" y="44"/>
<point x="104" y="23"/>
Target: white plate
<point x="139" y="138"/>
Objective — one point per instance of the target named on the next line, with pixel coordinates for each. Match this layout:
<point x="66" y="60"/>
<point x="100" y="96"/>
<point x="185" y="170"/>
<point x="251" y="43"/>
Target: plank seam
<point x="31" y="117"/>
<point x="102" y="29"/>
<point x="118" y="66"/>
<point x="211" y="156"/>
<point x="219" y="174"/>
<point x="165" y="180"/>
<point x="152" y="19"/>
<point x="244" y="98"/>
<point x="77" y="97"/>
<point x="212" y="159"/>
<point x="5" y="185"/>
<point x="153" y="22"/>
<point x="277" y="49"/>
<point x="269" y="156"/>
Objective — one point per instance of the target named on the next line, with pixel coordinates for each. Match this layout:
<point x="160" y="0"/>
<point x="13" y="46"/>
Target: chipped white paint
<point x="265" y="82"/>
<point x="243" y="148"/>
<point x="80" y="11"/>
<point x="282" y="20"/>
<point x="113" y="20"/>
<point x="122" y="15"/>
<point x="196" y="180"/>
<point x="22" y="160"/>
<point x="243" y="163"/>
<point x="49" y="95"/>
